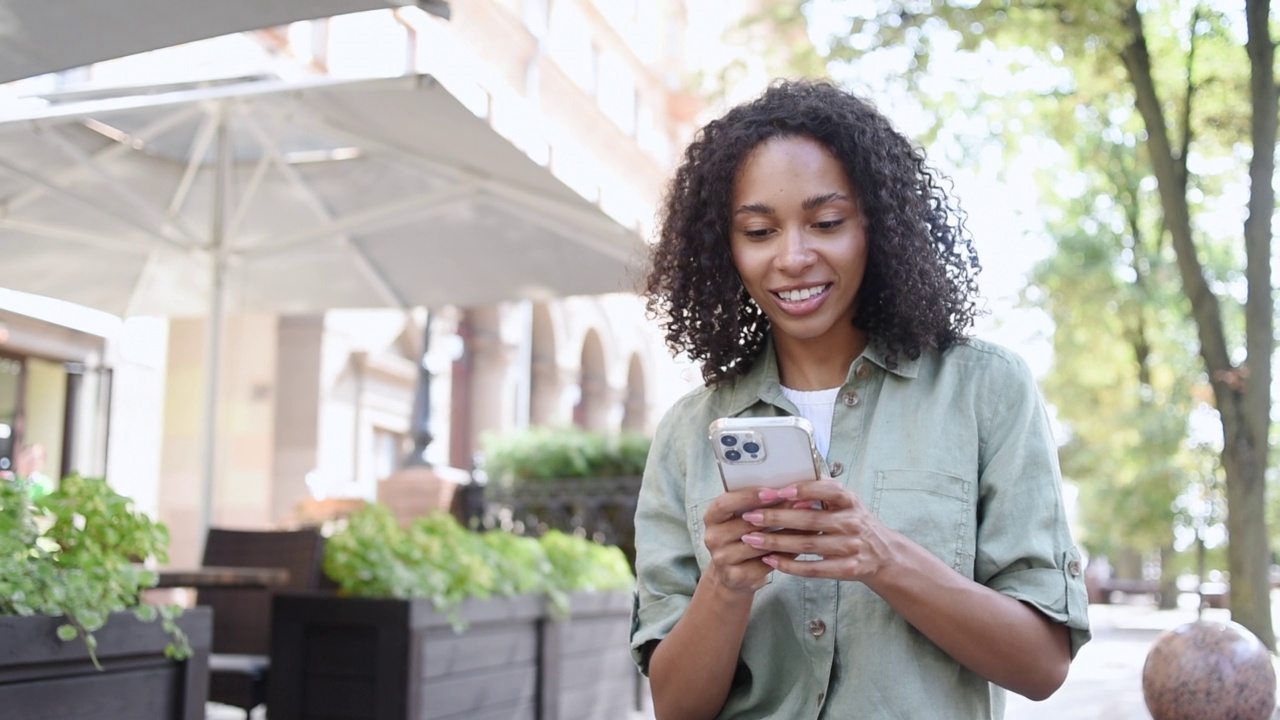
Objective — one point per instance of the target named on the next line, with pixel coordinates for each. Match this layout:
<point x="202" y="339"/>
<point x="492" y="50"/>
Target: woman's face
<point x="799" y="240"/>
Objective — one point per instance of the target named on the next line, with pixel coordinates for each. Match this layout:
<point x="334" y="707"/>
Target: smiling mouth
<point x="803" y="293"/>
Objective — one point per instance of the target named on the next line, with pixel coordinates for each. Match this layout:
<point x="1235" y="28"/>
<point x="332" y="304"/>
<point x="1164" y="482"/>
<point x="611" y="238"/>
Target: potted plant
<point x="79" y="640"/>
<point x="569" y="479"/>
<point x="436" y="620"/>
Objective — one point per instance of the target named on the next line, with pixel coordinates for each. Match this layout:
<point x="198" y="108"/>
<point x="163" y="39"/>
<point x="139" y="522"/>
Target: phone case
<point x="764" y="452"/>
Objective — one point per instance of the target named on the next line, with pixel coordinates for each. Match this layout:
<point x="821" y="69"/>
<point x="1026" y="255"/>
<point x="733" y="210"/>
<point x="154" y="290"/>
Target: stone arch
<point x="592" y="409"/>
<point x="544" y="374"/>
<point x="635" y="407"/>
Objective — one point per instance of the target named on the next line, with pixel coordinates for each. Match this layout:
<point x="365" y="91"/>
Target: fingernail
<point x="754" y="516"/>
<point x="769" y="494"/>
<point x="753" y="540"/>
<point x="787" y="493"/>
<point x="770" y="560"/>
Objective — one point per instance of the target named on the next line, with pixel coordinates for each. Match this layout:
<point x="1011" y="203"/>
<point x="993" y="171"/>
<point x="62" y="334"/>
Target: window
<point x="389" y="449"/>
<point x="535" y="17"/>
<point x="570" y="45"/>
<point x="617" y="92"/>
<point x="10" y="410"/>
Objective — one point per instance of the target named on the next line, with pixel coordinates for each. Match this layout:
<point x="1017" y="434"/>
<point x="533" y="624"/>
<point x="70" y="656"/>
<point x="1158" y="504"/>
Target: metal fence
<point x="600" y="508"/>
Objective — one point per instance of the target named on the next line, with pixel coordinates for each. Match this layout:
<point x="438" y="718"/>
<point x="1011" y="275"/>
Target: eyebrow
<point x="809" y="204"/>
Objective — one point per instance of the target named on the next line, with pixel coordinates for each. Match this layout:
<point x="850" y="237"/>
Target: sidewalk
<point x="1105" y="682"/>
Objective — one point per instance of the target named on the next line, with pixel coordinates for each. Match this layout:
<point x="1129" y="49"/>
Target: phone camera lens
<point x="751" y="448"/>
<point x="728" y="440"/>
<point x="732" y="455"/>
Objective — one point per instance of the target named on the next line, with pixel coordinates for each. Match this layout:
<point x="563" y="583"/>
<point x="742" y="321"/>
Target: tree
<point x="1123" y="364"/>
<point x="1179" y="65"/>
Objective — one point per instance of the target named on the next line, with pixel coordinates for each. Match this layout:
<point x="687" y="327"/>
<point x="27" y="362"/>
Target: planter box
<point x="368" y="659"/>
<point x="587" y="671"/>
<point x="44" y="678"/>
<point x="363" y="659"/>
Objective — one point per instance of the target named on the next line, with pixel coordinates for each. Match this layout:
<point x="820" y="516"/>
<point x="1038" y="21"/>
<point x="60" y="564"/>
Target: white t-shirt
<point x="818" y="407"/>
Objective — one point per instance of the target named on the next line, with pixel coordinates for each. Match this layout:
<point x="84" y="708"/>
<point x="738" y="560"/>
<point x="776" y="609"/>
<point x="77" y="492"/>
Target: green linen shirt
<point x="954" y="450"/>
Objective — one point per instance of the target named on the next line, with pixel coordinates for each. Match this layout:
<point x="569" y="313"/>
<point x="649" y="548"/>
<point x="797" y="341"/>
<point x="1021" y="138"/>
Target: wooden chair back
<point x="242" y="616"/>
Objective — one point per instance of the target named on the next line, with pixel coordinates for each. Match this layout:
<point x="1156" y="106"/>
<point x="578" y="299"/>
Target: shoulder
<point x="698" y="407"/>
<point x="983" y="357"/>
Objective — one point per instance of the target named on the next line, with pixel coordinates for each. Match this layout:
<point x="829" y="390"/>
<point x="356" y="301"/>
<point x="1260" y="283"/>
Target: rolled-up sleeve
<point x="1024" y="548"/>
<point x="666" y="567"/>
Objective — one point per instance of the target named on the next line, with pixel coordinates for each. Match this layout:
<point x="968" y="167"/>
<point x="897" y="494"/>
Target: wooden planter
<point x="587" y="671"/>
<point x="367" y="659"/>
<point x="363" y="659"/>
<point x="45" y="678"/>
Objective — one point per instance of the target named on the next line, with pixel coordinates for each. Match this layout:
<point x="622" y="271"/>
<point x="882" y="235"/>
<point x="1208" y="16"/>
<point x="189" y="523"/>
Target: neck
<point x="817" y="364"/>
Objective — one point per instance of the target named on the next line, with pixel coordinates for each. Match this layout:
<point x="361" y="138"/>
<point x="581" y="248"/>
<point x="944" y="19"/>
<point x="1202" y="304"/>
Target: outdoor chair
<point x="240" y="660"/>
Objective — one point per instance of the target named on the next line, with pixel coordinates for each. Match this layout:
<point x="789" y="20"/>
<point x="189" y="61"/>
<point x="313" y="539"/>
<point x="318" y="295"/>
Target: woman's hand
<point x="852" y="543"/>
<point x="736" y="565"/>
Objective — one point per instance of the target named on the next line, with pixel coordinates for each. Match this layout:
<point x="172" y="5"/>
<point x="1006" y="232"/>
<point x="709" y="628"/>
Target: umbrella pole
<point x="214" y="329"/>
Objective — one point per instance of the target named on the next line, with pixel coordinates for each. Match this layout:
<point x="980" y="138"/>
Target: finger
<point x="805" y="520"/>
<point x="794" y="544"/>
<point x="844" y="567"/>
<point x="829" y="492"/>
<point x="729" y="505"/>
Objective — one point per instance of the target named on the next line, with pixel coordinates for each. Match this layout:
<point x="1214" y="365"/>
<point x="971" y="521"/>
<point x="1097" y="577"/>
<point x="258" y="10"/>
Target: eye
<point x="829" y="224"/>
<point x="757" y="233"/>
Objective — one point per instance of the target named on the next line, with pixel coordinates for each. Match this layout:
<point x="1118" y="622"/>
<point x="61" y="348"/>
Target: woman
<point x="810" y="261"/>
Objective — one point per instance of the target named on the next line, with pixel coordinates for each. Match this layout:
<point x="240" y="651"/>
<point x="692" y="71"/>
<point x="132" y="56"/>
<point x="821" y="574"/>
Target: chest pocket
<point x="934" y="509"/>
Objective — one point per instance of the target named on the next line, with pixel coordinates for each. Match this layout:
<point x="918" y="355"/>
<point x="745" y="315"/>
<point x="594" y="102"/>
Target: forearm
<point x="692" y="669"/>
<point x="1000" y="638"/>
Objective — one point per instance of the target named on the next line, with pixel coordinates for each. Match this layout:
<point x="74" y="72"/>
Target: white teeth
<point x="802" y="294"/>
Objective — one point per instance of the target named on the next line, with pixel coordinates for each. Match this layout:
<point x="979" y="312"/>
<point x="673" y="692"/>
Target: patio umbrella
<point x="43" y="36"/>
<point x="288" y="197"/>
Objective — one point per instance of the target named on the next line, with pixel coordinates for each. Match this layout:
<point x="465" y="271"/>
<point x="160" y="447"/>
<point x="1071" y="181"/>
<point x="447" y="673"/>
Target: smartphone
<point x="765" y="451"/>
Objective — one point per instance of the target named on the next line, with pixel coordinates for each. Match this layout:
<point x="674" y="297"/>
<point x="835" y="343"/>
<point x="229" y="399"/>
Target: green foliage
<point x="77" y="553"/>
<point x="438" y="559"/>
<point x="539" y="453"/>
<point x="580" y="564"/>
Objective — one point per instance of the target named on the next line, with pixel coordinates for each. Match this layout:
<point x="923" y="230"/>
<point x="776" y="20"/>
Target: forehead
<point x="781" y="165"/>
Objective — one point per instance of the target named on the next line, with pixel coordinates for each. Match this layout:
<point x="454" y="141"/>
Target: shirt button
<point x="851" y="399"/>
<point x="836" y="469"/>
<point x="817" y="628"/>
<point x="863" y="371"/>
<point x="1073" y="567"/>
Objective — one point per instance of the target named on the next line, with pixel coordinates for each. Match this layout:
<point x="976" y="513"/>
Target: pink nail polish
<point x="754" y="516"/>
<point x="786" y="493"/>
<point x="753" y="540"/>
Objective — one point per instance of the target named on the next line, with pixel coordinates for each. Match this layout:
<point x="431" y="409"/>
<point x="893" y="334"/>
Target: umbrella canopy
<point x="298" y="196"/>
<point x="287" y="197"/>
<point x="44" y="36"/>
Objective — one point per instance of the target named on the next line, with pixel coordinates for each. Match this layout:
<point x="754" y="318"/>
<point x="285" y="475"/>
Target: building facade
<point x="320" y="406"/>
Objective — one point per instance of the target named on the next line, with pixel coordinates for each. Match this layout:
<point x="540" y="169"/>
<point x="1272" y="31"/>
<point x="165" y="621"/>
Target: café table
<point x="209" y="576"/>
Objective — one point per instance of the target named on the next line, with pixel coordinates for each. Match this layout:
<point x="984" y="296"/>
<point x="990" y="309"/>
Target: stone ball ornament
<point x="1207" y="670"/>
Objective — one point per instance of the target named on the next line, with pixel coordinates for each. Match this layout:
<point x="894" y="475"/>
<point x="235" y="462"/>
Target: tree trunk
<point x="1248" y="551"/>
<point x="1168" y="579"/>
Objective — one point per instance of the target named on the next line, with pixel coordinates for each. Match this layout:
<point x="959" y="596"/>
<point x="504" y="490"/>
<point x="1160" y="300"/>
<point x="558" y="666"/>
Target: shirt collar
<point x="763" y="383"/>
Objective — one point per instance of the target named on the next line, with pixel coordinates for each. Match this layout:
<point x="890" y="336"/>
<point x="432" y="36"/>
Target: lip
<point x="802" y="307"/>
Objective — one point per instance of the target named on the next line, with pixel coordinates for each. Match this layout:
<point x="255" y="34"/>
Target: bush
<point x="436" y="558"/>
<point x="539" y="453"/>
<point x="77" y="553"/>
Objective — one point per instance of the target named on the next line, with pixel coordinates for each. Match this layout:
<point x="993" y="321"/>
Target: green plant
<point x="77" y="553"/>
<point x="438" y="559"/>
<point x="580" y="564"/>
<point x="552" y="453"/>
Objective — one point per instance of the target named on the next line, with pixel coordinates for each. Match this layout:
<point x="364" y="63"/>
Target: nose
<point x="795" y="253"/>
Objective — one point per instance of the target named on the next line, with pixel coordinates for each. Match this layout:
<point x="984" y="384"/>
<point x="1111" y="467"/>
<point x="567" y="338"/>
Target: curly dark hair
<point x="920" y="288"/>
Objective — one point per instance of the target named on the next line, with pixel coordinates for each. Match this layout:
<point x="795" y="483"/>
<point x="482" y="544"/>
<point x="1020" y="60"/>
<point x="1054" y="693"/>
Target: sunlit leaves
<point x="76" y="553"/>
